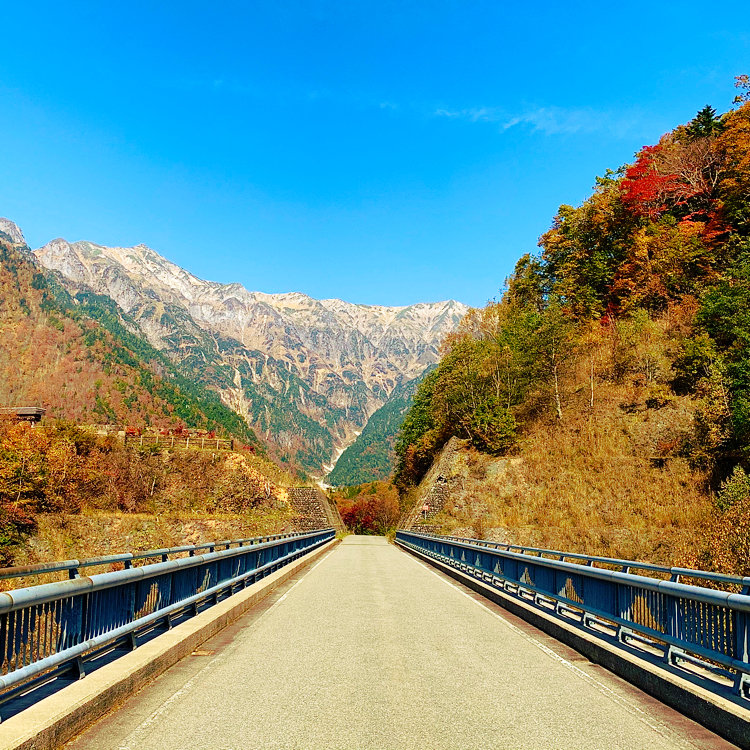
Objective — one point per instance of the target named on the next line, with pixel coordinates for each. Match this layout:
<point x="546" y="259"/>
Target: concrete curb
<point x="728" y="720"/>
<point x="59" y="717"/>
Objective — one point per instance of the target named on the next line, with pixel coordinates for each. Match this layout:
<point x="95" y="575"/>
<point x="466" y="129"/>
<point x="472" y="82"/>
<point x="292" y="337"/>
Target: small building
<point x="31" y="414"/>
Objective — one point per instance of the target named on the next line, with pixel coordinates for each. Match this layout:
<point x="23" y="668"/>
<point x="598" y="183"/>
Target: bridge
<point x="299" y="641"/>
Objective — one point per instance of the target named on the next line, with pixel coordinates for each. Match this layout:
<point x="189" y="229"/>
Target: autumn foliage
<point x="370" y="508"/>
<point x="643" y="291"/>
<point x="646" y="188"/>
<point x="62" y="469"/>
<point x="79" y="359"/>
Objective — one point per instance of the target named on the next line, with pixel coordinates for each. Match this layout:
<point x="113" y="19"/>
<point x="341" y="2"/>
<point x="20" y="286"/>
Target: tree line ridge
<point x="634" y="315"/>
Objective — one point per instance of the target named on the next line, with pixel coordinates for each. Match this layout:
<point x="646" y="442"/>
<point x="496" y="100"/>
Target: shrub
<point x="734" y="490"/>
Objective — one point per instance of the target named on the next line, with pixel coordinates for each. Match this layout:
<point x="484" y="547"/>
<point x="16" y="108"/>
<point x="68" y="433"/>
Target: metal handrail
<point x="54" y="627"/>
<point x="685" y="623"/>
<point x="674" y="573"/>
<point x="127" y="558"/>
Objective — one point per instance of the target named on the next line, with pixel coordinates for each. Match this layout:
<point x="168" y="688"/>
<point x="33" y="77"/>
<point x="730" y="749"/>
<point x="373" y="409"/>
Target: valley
<point x="306" y="374"/>
<point x="599" y="404"/>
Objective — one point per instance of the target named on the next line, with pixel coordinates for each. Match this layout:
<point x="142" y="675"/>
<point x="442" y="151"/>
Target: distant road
<point x="371" y="649"/>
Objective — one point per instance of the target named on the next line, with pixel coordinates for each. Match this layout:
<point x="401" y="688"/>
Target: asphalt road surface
<point x="370" y="648"/>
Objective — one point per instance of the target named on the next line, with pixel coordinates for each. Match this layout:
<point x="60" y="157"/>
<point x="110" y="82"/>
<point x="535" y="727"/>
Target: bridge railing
<point x="58" y="627"/>
<point x="742" y="584"/>
<point x="690" y="627"/>
<point x="127" y="559"/>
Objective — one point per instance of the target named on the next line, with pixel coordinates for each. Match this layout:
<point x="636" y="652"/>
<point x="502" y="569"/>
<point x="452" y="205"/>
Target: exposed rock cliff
<point x="11" y="229"/>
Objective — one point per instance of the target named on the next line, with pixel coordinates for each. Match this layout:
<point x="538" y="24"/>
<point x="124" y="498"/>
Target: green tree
<point x="705" y="124"/>
<point x="725" y="315"/>
<point x="734" y="490"/>
<point x="584" y="248"/>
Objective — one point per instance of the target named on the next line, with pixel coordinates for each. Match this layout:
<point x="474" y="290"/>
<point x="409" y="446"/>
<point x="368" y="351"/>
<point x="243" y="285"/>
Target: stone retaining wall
<point x="313" y="509"/>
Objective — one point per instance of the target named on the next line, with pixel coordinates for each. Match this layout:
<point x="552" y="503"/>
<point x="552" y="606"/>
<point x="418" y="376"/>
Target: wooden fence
<point x="175" y="441"/>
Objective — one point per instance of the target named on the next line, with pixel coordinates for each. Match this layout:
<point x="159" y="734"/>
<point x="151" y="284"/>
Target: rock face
<point x="305" y="373"/>
<point x="11" y="229"/>
<point x="440" y="483"/>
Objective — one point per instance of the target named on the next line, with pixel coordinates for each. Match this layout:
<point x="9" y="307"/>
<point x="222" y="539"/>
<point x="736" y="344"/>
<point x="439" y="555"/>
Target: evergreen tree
<point x="705" y="124"/>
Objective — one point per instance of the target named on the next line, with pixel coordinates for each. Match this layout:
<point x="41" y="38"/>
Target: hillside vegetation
<point x="68" y="492"/>
<point x="372" y="456"/>
<point x="369" y="508"/>
<point x="78" y="357"/>
<point x="616" y="365"/>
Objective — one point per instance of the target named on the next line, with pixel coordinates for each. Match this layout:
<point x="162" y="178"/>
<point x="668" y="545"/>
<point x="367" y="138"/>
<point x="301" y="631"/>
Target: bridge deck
<point x="372" y="649"/>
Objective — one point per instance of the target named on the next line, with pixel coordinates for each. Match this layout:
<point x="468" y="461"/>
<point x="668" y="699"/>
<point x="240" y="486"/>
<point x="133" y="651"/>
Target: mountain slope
<point x="616" y="367"/>
<point x="371" y="456"/>
<point x="82" y="359"/>
<point x="305" y="373"/>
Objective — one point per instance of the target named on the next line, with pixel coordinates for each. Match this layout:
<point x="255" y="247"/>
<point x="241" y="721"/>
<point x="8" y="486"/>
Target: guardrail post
<point x="78" y="668"/>
<point x="741" y="640"/>
<point x="674" y="624"/>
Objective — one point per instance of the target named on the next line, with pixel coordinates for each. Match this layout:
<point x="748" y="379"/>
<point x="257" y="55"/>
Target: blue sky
<point x="381" y="152"/>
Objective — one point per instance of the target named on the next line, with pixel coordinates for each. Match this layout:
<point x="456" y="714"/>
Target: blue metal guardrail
<point x="703" y="630"/>
<point x="53" y="628"/>
<point x="127" y="559"/>
<point x="625" y="566"/>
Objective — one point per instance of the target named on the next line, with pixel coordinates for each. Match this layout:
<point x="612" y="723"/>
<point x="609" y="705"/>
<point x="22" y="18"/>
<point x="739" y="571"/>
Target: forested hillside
<point x="66" y="491"/>
<point x="371" y="456"/>
<point x="79" y="358"/>
<point x="626" y="337"/>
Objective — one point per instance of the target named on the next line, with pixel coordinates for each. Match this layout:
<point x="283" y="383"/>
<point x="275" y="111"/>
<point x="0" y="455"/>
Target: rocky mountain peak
<point x="306" y="373"/>
<point x="12" y="230"/>
<point x="60" y="255"/>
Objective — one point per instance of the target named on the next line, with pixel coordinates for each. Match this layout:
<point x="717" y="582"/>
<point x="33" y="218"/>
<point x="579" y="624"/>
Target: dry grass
<point x="564" y="494"/>
<point x="605" y="480"/>
<point x="108" y="498"/>
<point x="85" y="535"/>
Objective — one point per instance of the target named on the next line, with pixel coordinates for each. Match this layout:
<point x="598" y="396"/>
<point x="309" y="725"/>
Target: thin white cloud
<point x="472" y="114"/>
<point x="560" y="121"/>
<point x="550" y="120"/>
<point x="547" y="120"/>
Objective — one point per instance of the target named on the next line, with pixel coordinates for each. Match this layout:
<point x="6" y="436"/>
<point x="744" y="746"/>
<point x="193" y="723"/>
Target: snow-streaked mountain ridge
<point x="329" y="361"/>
